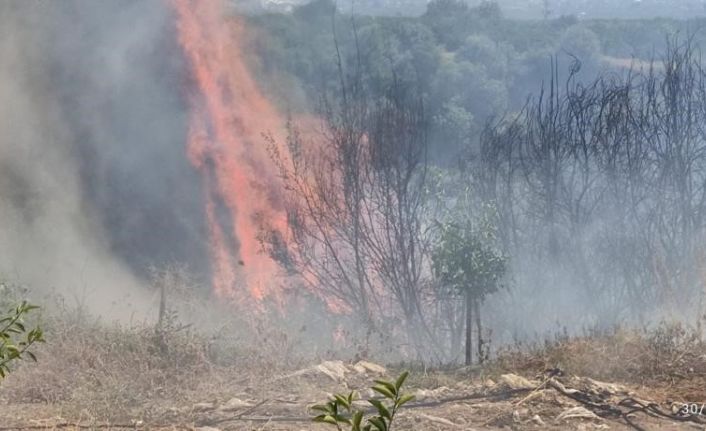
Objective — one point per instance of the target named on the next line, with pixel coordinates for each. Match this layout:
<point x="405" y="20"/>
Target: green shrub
<point x="15" y="339"/>
<point x="340" y="411"/>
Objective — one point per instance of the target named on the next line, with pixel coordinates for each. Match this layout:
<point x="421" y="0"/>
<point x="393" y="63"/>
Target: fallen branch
<point x="653" y="408"/>
<point x="600" y="409"/>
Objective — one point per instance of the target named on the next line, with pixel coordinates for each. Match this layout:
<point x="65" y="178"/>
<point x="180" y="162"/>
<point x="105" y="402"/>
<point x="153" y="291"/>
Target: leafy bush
<point x="340" y="409"/>
<point x="15" y="339"/>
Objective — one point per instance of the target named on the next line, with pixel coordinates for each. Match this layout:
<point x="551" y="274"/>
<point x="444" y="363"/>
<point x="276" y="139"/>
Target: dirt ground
<point x="444" y="401"/>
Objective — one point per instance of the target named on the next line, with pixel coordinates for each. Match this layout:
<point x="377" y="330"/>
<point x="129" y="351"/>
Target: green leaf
<point x="401" y="379"/>
<point x="342" y="419"/>
<point x="379" y="423"/>
<point x="328" y="419"/>
<point x="404" y="400"/>
<point x="321" y="408"/>
<point x="384" y="390"/>
<point x="342" y="401"/>
<point x="382" y="410"/>
<point x="357" y="420"/>
<point x="388" y="385"/>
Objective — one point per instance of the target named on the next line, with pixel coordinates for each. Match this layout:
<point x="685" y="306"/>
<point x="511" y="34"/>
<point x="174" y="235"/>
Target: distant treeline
<point x="471" y="63"/>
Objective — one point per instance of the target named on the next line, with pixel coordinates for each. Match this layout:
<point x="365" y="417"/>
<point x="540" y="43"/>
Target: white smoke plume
<point x="94" y="183"/>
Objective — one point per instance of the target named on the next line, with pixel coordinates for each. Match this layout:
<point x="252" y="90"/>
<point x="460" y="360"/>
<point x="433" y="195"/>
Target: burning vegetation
<point x="259" y="209"/>
<point x="229" y="116"/>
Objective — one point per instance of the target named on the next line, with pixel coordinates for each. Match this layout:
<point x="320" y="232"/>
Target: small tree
<point x="466" y="261"/>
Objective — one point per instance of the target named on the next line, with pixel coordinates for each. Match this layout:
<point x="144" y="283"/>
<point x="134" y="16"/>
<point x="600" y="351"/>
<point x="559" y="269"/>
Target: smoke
<point x="95" y="186"/>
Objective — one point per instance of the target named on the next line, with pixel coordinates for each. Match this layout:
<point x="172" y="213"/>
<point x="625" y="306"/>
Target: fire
<point x="229" y="116"/>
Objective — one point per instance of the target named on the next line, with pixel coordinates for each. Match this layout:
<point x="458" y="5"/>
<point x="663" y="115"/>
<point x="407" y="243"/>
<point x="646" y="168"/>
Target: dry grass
<point x="96" y="371"/>
<point x="111" y="371"/>
<point x="101" y="371"/>
<point x="671" y="353"/>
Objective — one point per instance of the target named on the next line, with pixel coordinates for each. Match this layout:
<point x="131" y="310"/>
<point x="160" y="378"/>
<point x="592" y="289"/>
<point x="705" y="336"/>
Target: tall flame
<point x="225" y="142"/>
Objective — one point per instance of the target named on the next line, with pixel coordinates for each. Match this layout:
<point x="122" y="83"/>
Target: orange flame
<point x="229" y="116"/>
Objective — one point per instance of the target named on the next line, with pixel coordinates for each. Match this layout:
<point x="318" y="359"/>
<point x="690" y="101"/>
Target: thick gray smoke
<point x="94" y="183"/>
